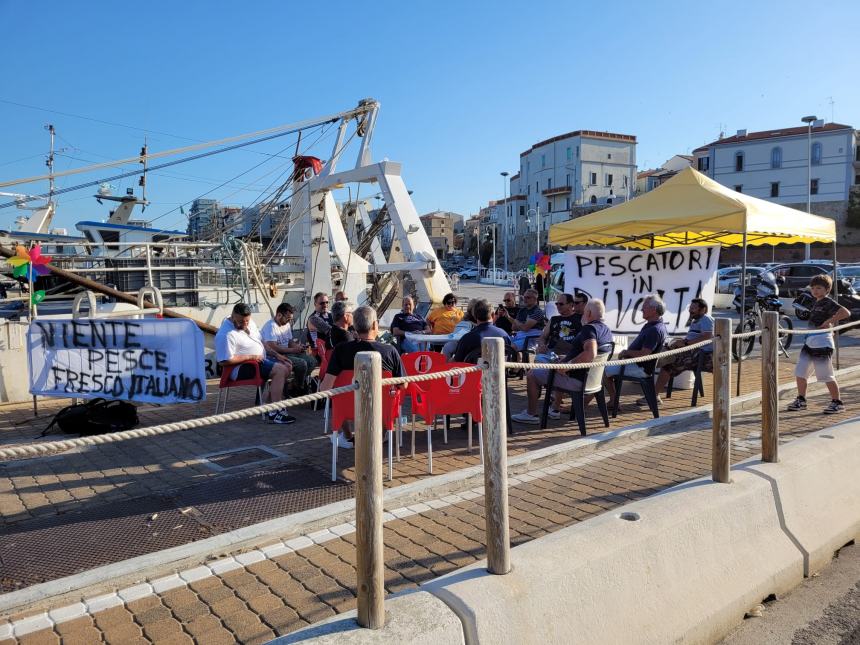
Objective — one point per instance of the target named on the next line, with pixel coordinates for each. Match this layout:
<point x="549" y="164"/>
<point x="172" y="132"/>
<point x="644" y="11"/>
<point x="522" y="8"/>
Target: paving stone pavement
<point x="296" y="587"/>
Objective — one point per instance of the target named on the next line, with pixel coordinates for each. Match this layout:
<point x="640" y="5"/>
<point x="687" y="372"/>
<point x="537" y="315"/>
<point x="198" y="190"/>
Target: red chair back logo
<point x="423" y="364"/>
<point x="456" y="382"/>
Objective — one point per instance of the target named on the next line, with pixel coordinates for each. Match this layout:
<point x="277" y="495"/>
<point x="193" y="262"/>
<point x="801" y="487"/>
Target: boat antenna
<point x="142" y="182"/>
<point x="298" y="143"/>
<point x="50" y="163"/>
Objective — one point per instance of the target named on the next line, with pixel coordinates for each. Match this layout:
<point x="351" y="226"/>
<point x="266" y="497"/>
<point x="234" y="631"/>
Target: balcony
<point x="558" y="190"/>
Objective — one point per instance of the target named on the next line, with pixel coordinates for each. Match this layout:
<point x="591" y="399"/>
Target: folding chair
<point x="647" y="385"/>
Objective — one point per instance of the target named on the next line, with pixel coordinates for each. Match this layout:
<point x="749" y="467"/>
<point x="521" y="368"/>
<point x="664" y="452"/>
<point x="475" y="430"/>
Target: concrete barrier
<point x="415" y="617"/>
<point x="817" y="491"/>
<point x="684" y="565"/>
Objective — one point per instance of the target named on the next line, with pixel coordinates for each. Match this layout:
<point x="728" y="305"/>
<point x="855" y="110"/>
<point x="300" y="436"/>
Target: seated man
<point x="408" y="321"/>
<point x="483" y="313"/>
<point x="562" y="329"/>
<point x="343" y="356"/>
<point x="278" y="338"/>
<point x="507" y="313"/>
<point x="649" y="340"/>
<point x="238" y="341"/>
<point x="529" y="322"/>
<point x="595" y="338"/>
<point x="320" y="321"/>
<point x="701" y="328"/>
<point x="341" y="330"/>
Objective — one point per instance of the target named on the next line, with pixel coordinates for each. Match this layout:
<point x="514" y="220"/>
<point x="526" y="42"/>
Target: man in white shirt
<point x="238" y="341"/>
<point x="278" y="339"/>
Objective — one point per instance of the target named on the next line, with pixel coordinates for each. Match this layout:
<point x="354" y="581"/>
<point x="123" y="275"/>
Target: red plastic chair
<point x="226" y="383"/>
<point x="326" y="357"/>
<point x="459" y="394"/>
<point x="343" y="409"/>
<point x="423" y="363"/>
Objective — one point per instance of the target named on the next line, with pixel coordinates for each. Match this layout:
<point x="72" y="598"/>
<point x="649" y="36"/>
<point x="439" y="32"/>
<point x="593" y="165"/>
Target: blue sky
<point x="464" y="87"/>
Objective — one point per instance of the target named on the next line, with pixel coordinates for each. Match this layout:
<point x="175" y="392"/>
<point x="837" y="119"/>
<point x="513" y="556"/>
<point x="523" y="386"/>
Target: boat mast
<point x="50" y="164"/>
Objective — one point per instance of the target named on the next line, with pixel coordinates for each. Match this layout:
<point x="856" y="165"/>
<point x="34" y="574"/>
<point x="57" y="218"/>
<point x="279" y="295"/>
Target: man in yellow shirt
<point x="445" y="318"/>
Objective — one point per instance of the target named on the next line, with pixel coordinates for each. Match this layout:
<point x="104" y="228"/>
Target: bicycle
<point x="753" y="321"/>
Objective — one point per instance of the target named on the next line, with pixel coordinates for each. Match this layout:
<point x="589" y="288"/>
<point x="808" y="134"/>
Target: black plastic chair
<point x="647" y="385"/>
<point x="593" y="384"/>
<point x="698" y="384"/>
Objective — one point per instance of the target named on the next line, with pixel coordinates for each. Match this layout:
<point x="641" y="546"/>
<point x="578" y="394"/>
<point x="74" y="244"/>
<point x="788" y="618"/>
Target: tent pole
<point x="836" y="298"/>
<point x="743" y="310"/>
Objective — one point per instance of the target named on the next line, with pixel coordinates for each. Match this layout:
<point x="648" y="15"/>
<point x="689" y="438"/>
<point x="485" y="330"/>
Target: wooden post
<point x="769" y="385"/>
<point x="368" y="490"/>
<point x="495" y="456"/>
<point x="722" y="433"/>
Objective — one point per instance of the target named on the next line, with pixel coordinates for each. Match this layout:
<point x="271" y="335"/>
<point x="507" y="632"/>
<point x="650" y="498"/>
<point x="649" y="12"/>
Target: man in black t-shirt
<point x="562" y="329"/>
<point x="343" y="355"/>
<point x="506" y="313"/>
<point x="343" y="358"/>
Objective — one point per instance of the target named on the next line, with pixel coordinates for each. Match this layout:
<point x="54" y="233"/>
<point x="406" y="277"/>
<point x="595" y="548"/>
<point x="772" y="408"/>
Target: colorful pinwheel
<point x="30" y="265"/>
<point x="539" y="264"/>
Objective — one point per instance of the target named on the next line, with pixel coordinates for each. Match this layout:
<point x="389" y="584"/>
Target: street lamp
<point x="529" y="221"/>
<point x="809" y="120"/>
<point x="504" y="175"/>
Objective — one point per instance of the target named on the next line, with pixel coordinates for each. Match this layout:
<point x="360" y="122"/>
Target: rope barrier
<point x="33" y="450"/>
<point x="747" y="334"/>
<point x="430" y="376"/>
<point x="812" y="332"/>
<point x="619" y="361"/>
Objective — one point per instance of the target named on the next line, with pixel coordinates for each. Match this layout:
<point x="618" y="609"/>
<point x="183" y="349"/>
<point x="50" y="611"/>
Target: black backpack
<point x="96" y="416"/>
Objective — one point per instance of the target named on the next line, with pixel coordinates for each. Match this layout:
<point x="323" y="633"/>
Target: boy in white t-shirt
<point x="238" y="342"/>
<point x="278" y="339"/>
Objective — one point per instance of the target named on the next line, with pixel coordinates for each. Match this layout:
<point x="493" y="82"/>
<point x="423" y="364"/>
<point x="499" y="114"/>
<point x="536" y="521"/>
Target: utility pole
<point x="50" y="164"/>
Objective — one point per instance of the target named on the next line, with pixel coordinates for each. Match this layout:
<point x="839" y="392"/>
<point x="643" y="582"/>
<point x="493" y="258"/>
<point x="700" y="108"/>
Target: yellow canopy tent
<point x="691" y="208"/>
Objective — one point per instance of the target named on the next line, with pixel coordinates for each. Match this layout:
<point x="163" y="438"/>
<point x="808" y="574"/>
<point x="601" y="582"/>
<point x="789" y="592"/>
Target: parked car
<point x="468" y="274"/>
<point x="728" y="277"/>
<point x="798" y="274"/>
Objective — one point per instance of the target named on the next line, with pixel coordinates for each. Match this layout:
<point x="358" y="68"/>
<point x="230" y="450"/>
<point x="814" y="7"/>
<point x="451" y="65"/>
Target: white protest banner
<point x="148" y="360"/>
<point x="622" y="279"/>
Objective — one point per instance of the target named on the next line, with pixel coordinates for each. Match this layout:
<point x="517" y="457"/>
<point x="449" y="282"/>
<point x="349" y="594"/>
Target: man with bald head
<point x="408" y="321"/>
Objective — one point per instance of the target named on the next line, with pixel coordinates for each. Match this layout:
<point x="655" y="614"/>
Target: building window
<point x="776" y="158"/>
<point x="739" y="188"/>
<point x="625" y="181"/>
<point x="522" y="211"/>
<point x="609" y="155"/>
<point x="774" y="189"/>
<point x="567" y="178"/>
<point x="739" y="162"/>
<point x="567" y="204"/>
<point x="543" y="161"/>
<point x="549" y="183"/>
<point x="537" y="187"/>
<point x="608" y="179"/>
<point x="816" y="153"/>
<point x="549" y="207"/>
<point x="593" y="179"/>
<point x="703" y="164"/>
<point x="813" y="186"/>
<point x="857" y="180"/>
<point x="569" y="153"/>
<point x="594" y="199"/>
<point x="577" y="151"/>
<point x="529" y="189"/>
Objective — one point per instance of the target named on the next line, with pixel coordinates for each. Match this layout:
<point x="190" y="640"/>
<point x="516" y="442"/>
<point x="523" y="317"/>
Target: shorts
<point x="689" y="361"/>
<point x="562" y="380"/>
<point x="247" y="371"/>
<point x="822" y="365"/>
<point x="630" y="371"/>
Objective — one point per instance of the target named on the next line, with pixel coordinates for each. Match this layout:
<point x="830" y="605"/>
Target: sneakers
<point x="835" y="406"/>
<point x="525" y="417"/>
<point x="643" y="402"/>
<point x="554" y="414"/>
<point x="800" y="404"/>
<point x="341" y="440"/>
<point x="281" y="417"/>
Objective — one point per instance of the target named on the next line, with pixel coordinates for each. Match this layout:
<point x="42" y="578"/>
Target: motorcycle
<point x="762" y="289"/>
<point x="848" y="298"/>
